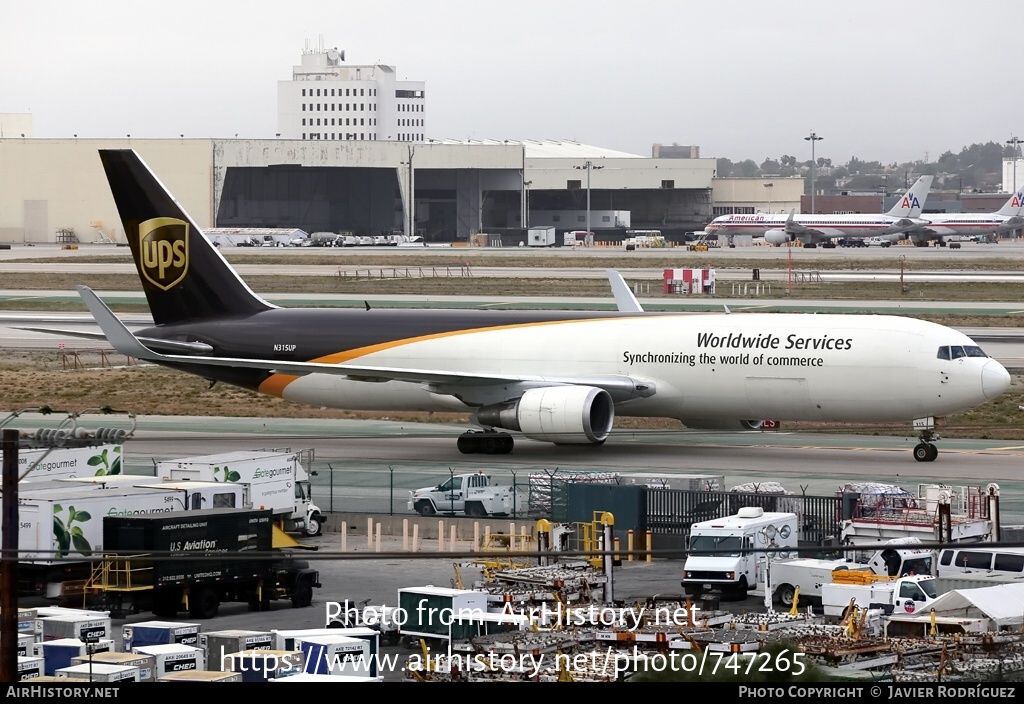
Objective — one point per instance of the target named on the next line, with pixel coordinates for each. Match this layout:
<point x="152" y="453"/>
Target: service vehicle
<point x="472" y="494"/>
<point x="277" y="480"/>
<point x="723" y="553"/>
<point x="60" y="529"/>
<point x="209" y="571"/>
<point x="809" y="575"/>
<point x="906" y="595"/>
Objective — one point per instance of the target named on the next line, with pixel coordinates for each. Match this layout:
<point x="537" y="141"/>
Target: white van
<point x="726" y="553"/>
<point x="967" y="560"/>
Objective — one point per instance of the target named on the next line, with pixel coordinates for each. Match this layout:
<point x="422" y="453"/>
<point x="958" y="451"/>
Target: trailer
<point x="277" y="480"/>
<point x="441" y="614"/>
<point x="60" y="529"/>
<point x="203" y="568"/>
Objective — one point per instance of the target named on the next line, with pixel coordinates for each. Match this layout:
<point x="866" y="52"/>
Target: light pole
<point x="526" y="204"/>
<point x="769" y="187"/>
<point x="812" y="138"/>
<point x="410" y="216"/>
<point x="1016" y="154"/>
<point x="589" y="166"/>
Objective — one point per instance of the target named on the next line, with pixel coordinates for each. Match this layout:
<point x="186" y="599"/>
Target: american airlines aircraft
<point x="942" y="225"/>
<point x="553" y="376"/>
<point x="812" y="229"/>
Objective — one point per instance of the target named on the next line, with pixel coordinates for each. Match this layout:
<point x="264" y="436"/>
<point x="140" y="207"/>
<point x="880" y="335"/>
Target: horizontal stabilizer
<point x="154" y="343"/>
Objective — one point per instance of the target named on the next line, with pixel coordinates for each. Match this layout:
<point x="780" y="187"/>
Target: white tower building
<point x="329" y="99"/>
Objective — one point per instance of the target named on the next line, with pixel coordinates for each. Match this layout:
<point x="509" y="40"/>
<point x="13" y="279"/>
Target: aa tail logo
<point x="1018" y="199"/>
<point x="910" y="201"/>
<point x="163" y="245"/>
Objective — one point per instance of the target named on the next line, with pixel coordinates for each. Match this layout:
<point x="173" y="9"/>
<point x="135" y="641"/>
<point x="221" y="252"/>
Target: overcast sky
<point x="740" y="78"/>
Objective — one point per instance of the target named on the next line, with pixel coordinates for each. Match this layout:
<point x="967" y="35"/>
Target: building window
<point x="362" y="91"/>
<point x="303" y="92"/>
<point x="668" y="184"/>
<point x="581" y="218"/>
<point x="556" y="218"/>
<point x="346" y="91"/>
<point x="332" y="95"/>
<point x="303" y="122"/>
<point x="303" y="107"/>
<point x="573" y="185"/>
<point x="303" y="135"/>
<point x="606" y="218"/>
<point x="362" y="121"/>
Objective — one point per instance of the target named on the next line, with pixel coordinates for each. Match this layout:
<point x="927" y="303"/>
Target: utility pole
<point x="9" y="564"/>
<point x="812" y="138"/>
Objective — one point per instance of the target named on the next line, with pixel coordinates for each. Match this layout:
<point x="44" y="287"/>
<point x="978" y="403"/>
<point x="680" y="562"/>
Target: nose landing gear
<point x="925" y="451"/>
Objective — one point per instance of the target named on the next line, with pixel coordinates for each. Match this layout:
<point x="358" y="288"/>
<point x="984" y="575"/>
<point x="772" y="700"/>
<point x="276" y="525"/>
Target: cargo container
<point x="31" y="667"/>
<point x="59" y="653"/>
<point x="202" y="676"/>
<point x="335" y="655"/>
<point x="173" y="658"/>
<point x="219" y="644"/>
<point x="159" y="633"/>
<point x="145" y="663"/>
<point x="100" y="672"/>
<point x="263" y="665"/>
<point x="85" y="627"/>
<point x="275" y="480"/>
<point x="202" y="539"/>
<point x="306" y="677"/>
<point x="439" y="613"/>
<point x="25" y="643"/>
<point x="287" y="639"/>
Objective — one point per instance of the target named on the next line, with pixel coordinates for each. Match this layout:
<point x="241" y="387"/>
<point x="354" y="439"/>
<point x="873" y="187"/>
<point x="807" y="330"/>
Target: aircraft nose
<point x="994" y="379"/>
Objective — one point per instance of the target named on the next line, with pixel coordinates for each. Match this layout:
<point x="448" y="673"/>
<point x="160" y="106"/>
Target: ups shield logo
<point x="163" y="244"/>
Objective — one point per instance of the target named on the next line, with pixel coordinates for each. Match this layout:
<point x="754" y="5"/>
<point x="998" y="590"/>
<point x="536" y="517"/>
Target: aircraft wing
<point x="621" y="387"/>
<point x="907" y="225"/>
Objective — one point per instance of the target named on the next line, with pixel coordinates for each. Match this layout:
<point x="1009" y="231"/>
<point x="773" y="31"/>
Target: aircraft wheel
<point x="922" y="452"/>
<point x="507" y="443"/>
<point x="467" y="444"/>
<point x="933" y="452"/>
<point x="492" y="444"/>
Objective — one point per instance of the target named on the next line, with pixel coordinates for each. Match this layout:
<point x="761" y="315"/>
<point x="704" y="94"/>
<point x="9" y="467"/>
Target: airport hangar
<point x="54" y="190"/>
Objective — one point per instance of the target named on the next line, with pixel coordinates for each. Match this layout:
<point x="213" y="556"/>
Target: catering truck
<point x="206" y="565"/>
<point x="277" y="480"/>
<point x="60" y="529"/>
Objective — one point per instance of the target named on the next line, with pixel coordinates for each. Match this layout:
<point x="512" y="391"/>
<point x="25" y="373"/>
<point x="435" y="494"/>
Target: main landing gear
<point x="925" y="451"/>
<point x="487" y="442"/>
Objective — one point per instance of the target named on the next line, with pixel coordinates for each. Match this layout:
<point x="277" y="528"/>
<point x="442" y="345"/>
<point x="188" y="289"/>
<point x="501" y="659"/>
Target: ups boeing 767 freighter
<point x="553" y="376"/>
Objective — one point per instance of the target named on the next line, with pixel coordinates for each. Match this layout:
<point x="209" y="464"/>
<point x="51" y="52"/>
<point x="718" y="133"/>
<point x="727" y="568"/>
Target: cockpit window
<point x="958" y="351"/>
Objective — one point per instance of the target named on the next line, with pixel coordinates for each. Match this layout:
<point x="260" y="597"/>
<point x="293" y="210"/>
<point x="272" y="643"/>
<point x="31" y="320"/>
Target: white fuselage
<point x="833" y="225"/>
<point x="969" y="224"/>
<point x="731" y="366"/>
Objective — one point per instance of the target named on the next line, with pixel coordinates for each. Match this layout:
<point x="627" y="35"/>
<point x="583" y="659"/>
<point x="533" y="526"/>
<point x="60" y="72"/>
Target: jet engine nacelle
<point x="565" y="415"/>
<point x="701" y="424"/>
<point x="776" y="237"/>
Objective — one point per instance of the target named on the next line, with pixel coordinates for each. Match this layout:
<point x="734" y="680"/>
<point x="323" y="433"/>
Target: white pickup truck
<point x="907" y="595"/>
<point x="467" y="495"/>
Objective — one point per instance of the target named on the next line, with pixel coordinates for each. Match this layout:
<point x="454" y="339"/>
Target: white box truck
<point x="439" y="613"/>
<point x="727" y="553"/>
<point x="277" y="481"/>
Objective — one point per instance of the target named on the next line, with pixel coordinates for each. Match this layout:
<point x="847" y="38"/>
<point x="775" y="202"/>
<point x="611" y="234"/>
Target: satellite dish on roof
<point x="333" y="55"/>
